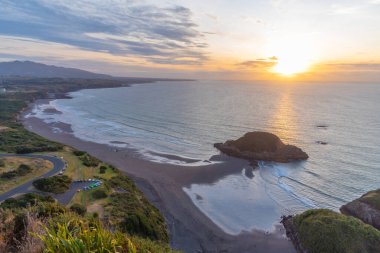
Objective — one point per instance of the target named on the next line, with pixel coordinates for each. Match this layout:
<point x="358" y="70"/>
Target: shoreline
<point x="190" y="229"/>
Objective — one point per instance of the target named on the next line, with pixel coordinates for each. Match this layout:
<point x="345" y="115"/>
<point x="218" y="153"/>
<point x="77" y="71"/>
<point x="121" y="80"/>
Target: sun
<point x="294" y="55"/>
<point x="291" y="66"/>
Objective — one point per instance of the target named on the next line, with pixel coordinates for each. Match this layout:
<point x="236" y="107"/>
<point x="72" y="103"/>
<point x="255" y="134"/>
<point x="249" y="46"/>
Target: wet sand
<point x="190" y="229"/>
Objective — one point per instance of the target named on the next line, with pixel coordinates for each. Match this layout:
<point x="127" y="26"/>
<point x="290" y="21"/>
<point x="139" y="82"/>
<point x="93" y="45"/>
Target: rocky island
<point x="255" y="146"/>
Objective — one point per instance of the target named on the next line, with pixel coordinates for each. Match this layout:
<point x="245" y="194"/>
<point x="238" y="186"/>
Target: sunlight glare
<point x="295" y="55"/>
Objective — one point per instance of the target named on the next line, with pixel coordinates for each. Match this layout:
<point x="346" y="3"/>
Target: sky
<point x="215" y="39"/>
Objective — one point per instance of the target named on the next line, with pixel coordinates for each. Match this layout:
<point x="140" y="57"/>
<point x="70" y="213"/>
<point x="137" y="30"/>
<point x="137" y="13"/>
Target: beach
<point x="190" y="229"/>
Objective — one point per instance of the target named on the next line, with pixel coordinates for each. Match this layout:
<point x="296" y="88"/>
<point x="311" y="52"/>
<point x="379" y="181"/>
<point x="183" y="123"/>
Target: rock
<point x="255" y="146"/>
<point x="292" y="233"/>
<point x="248" y="172"/>
<point x="365" y="208"/>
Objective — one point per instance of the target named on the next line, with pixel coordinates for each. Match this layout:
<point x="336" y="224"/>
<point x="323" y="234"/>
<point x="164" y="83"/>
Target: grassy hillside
<point x="14" y="138"/>
<point x="115" y="217"/>
<point x="326" y="231"/>
<point x="38" y="224"/>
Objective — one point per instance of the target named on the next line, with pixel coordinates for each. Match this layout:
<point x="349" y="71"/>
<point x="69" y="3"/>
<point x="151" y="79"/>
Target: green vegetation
<point x="88" y="160"/>
<point x="22" y="170"/>
<point x="29" y="199"/>
<point x="18" y="170"/>
<point x="16" y="139"/>
<point x="99" y="194"/>
<point x="46" y="226"/>
<point x="132" y="213"/>
<point x="102" y="169"/>
<point x="78" y="208"/>
<point x="82" y="238"/>
<point x="79" y="153"/>
<point x="372" y="198"/>
<point x="34" y="223"/>
<point x="54" y="184"/>
<point x="325" y="231"/>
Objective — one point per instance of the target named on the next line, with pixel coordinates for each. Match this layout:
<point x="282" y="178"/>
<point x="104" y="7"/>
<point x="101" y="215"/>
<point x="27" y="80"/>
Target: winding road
<point x="58" y="165"/>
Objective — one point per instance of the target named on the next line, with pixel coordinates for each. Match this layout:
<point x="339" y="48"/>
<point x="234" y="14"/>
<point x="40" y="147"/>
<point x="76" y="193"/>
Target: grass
<point x="80" y="237"/>
<point x="61" y="238"/>
<point x="323" y="230"/>
<point x="38" y="167"/>
<point x="32" y="223"/>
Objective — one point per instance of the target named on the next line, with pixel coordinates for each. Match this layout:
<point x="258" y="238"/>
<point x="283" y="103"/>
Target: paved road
<point x="65" y="198"/>
<point x="27" y="187"/>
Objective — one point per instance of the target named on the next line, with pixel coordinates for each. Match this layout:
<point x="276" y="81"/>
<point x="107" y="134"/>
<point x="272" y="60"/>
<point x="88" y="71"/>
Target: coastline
<point x="190" y="229"/>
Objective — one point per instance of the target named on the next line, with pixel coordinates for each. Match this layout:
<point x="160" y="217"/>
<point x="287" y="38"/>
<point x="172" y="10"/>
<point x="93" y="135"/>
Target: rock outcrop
<point x="365" y="208"/>
<point x="255" y="146"/>
<point x="292" y="233"/>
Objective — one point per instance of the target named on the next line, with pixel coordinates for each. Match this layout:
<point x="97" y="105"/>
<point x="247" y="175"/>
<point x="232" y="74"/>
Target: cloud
<point x="120" y="27"/>
<point x="261" y="63"/>
<point x="354" y="67"/>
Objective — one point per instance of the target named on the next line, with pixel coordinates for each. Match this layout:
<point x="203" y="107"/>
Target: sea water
<point x="178" y="122"/>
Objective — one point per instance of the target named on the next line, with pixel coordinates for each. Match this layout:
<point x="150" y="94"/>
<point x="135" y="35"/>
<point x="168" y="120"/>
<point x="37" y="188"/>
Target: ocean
<point x="337" y="124"/>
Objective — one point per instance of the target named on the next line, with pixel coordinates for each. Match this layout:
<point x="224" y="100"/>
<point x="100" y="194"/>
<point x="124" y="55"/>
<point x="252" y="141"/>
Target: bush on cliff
<point x="131" y="212"/>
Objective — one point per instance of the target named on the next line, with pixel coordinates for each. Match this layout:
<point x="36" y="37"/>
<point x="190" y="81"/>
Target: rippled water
<point x="184" y="119"/>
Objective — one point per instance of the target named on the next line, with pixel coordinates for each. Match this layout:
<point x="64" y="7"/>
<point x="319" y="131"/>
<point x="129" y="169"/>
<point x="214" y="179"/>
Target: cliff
<point x="322" y="230"/>
<point x="365" y="208"/>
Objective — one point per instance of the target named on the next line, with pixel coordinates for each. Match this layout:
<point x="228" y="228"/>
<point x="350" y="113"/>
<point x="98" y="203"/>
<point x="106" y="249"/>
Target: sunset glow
<point x="294" y="55"/>
<point x="265" y="40"/>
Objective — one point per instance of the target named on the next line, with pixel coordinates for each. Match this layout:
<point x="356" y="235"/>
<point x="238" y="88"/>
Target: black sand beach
<point x="190" y="229"/>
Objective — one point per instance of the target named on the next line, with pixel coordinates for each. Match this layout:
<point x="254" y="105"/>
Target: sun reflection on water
<point x="283" y="120"/>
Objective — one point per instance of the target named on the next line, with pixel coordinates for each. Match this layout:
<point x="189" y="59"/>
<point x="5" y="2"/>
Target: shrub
<point x="89" y="161"/>
<point x="78" y="208"/>
<point x="99" y="194"/>
<point x="54" y="184"/>
<point x="22" y="170"/>
<point x="102" y="169"/>
<point x="132" y="213"/>
<point x="2" y="163"/>
<point x="29" y="199"/>
<point x="49" y="209"/>
<point x="78" y="152"/>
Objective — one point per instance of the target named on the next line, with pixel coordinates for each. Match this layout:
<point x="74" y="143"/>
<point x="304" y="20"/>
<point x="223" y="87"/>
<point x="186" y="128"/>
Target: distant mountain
<point x="33" y="69"/>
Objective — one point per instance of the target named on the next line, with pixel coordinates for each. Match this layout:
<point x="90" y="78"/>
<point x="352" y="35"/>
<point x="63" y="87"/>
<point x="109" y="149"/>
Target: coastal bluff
<point x="264" y="146"/>
<point x="365" y="208"/>
<point x="355" y="229"/>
